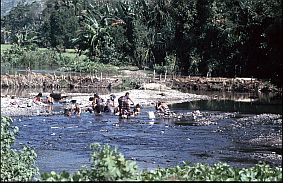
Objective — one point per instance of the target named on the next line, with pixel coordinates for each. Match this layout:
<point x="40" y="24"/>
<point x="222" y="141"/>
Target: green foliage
<point x="15" y="165"/>
<point x="209" y="37"/>
<point x="109" y="164"/>
<point x="5" y="47"/>
<point x="85" y="65"/>
<point x="59" y="25"/>
<point x="217" y="172"/>
<point x="169" y="67"/>
<point x="53" y="176"/>
<point x="23" y="23"/>
<point x="93" y="38"/>
<point x="29" y="56"/>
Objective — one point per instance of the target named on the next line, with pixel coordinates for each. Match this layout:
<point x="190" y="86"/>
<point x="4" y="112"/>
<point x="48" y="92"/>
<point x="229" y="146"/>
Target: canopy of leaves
<point x="208" y="37"/>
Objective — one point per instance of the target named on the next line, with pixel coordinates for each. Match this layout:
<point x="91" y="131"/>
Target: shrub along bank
<point x="34" y="58"/>
<point x="110" y="165"/>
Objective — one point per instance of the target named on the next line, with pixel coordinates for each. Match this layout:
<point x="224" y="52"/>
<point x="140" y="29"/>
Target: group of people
<point x="99" y="106"/>
<point x="40" y="100"/>
<point x="72" y="108"/>
<point x="123" y="109"/>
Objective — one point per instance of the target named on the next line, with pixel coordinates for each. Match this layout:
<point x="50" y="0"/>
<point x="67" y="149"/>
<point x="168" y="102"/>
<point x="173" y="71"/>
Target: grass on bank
<point x="69" y="52"/>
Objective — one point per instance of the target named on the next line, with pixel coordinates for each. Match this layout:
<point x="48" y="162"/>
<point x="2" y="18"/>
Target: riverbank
<point x="136" y="79"/>
<point x="145" y="98"/>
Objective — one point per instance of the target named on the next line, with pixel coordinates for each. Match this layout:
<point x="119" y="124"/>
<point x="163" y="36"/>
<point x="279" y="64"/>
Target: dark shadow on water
<point x="241" y="161"/>
<point x="232" y="106"/>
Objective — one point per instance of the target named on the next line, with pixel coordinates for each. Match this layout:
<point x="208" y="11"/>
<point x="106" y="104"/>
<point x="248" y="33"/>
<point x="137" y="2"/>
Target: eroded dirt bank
<point x="137" y="79"/>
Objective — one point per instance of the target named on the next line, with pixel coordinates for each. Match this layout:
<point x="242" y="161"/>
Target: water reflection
<point x="242" y="96"/>
<point x="273" y="106"/>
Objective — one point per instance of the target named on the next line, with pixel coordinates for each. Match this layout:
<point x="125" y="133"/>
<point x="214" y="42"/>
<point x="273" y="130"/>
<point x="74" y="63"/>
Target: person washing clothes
<point x="123" y="104"/>
<point x="162" y="107"/>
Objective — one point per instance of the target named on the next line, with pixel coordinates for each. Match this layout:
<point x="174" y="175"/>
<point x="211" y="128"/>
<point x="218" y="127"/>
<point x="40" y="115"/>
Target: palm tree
<point x="94" y="34"/>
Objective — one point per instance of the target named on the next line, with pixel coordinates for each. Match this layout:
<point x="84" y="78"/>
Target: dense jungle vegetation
<point x="199" y="37"/>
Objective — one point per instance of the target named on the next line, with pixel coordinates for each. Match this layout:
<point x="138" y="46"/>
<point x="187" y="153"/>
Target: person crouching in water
<point x="37" y="98"/>
<point x="162" y="108"/>
<point x="137" y="110"/>
<point x="73" y="108"/>
<point x="97" y="104"/>
<point x="77" y="110"/>
<point x="108" y="106"/>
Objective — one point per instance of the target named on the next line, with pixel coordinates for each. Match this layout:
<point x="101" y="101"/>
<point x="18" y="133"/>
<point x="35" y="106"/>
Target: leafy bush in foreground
<point x="107" y="165"/>
<point x="110" y="165"/>
<point x="217" y="172"/>
<point x="197" y="172"/>
<point x="15" y="165"/>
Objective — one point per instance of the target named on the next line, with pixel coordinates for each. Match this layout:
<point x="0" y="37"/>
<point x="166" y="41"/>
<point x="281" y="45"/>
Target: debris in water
<point x="151" y="115"/>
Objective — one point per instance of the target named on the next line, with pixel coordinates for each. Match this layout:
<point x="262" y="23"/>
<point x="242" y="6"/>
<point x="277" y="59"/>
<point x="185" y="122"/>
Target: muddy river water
<point x="241" y="134"/>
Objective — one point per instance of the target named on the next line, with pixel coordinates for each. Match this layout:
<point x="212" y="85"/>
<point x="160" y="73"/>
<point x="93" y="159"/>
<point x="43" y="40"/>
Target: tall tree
<point x="23" y="22"/>
<point x="94" y="37"/>
<point x="60" y="25"/>
<point x="202" y="39"/>
<point x="251" y="22"/>
<point x="162" y="24"/>
<point x="182" y="12"/>
<point x="125" y="11"/>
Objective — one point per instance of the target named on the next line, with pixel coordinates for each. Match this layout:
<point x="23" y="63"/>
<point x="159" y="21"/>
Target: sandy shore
<point x="145" y="98"/>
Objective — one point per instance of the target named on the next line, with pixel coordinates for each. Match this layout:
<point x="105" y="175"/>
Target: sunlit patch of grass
<point x="71" y="54"/>
<point x="42" y="49"/>
<point x="5" y="47"/>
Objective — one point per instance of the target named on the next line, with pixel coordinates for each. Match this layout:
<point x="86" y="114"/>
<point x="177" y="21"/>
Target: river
<point x="242" y="134"/>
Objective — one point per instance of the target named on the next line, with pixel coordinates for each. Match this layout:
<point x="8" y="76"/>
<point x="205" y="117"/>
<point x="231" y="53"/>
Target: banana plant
<point x="94" y="35"/>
